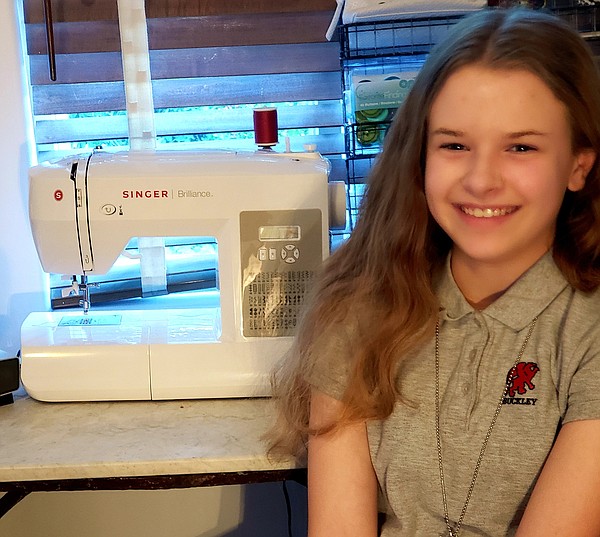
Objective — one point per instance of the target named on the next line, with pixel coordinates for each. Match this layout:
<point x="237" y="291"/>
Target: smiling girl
<point x="447" y="372"/>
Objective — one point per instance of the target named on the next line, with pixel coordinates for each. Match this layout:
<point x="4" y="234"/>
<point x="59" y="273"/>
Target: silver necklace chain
<point x="453" y="532"/>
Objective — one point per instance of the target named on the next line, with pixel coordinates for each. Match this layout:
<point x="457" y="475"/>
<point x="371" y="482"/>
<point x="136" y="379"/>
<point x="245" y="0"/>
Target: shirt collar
<point x="525" y="299"/>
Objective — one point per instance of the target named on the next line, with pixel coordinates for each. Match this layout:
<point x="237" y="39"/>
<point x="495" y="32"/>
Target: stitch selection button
<point x="290" y="253"/>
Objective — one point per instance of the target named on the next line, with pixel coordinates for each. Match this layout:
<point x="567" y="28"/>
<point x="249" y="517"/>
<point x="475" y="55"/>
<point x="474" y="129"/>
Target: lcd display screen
<point x="279" y="233"/>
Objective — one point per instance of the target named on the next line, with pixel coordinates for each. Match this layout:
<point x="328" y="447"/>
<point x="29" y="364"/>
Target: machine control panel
<point x="280" y="253"/>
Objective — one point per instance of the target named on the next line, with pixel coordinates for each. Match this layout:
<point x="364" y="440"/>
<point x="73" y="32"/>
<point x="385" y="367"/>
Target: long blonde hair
<point x="383" y="274"/>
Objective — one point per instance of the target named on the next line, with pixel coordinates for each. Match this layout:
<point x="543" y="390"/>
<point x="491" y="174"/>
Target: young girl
<point x="447" y="372"/>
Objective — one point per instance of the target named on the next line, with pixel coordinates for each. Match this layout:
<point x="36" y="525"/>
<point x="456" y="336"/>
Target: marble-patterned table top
<point x="45" y="441"/>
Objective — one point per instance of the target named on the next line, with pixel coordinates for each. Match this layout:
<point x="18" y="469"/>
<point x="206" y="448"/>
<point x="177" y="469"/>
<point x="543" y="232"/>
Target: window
<point x="211" y="63"/>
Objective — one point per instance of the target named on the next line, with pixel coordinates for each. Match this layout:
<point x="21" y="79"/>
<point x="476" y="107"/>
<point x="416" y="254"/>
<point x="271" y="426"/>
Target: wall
<point x="233" y="511"/>
<point x="22" y="281"/>
<point x="256" y="510"/>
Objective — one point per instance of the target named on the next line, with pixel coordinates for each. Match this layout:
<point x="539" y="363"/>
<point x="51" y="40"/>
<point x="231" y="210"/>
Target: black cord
<point x="288" y="507"/>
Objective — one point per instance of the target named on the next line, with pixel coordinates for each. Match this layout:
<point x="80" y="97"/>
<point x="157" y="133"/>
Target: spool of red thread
<point x="265" y="127"/>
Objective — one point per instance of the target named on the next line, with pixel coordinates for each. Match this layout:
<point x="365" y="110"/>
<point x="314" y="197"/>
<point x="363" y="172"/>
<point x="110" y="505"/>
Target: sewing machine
<point x="269" y="213"/>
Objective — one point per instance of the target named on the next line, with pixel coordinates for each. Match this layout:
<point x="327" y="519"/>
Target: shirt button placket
<point x="473" y="364"/>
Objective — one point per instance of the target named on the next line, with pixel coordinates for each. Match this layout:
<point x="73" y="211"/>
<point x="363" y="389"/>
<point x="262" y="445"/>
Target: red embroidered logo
<point x="520" y="378"/>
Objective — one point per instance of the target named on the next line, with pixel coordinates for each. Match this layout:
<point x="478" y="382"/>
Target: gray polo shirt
<point x="556" y="381"/>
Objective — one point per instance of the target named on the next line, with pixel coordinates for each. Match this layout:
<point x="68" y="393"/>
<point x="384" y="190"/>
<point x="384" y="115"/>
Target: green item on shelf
<point x="372" y="114"/>
<point x="367" y="134"/>
<point x="374" y="94"/>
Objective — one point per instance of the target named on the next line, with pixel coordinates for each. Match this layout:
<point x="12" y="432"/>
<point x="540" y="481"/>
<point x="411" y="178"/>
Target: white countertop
<point x="46" y="441"/>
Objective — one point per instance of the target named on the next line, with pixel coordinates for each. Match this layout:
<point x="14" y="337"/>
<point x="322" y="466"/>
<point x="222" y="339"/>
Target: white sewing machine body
<point x="269" y="215"/>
